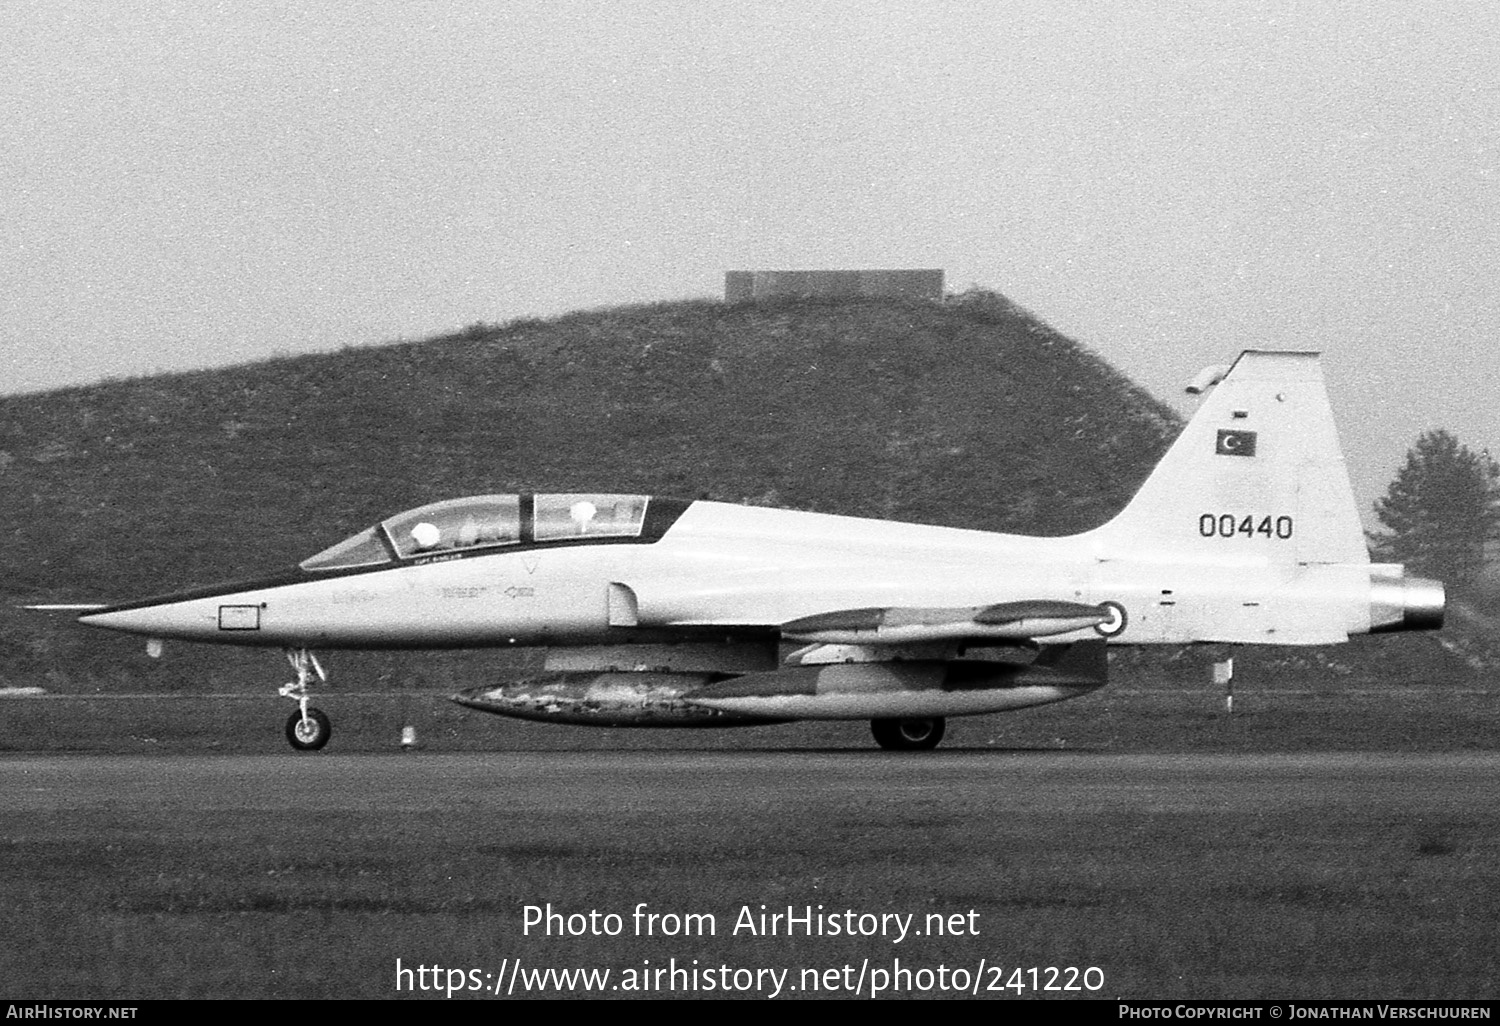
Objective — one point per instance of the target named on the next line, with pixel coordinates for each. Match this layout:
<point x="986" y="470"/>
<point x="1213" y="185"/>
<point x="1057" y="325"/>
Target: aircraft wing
<point x="898" y="625"/>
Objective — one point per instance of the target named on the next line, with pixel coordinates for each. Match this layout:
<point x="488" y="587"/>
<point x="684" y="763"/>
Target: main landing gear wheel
<point x="308" y="732"/>
<point x="908" y="735"/>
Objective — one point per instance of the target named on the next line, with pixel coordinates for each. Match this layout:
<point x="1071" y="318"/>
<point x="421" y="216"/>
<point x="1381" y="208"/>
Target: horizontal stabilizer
<point x="1034" y="618"/>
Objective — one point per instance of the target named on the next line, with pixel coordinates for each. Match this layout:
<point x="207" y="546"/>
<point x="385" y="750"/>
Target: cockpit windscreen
<point x="364" y="549"/>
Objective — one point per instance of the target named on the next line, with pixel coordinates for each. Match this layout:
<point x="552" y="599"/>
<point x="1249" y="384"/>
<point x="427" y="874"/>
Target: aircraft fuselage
<point x="722" y="566"/>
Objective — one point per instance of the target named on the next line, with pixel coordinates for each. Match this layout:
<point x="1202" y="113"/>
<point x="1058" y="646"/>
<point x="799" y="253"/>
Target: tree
<point x="1441" y="510"/>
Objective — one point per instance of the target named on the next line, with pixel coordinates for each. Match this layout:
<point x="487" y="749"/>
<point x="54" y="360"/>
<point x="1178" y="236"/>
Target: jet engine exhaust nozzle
<point x="1406" y="604"/>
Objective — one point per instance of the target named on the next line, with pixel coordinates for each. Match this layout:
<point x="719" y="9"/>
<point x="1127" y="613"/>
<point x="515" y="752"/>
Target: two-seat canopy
<point x="487" y="521"/>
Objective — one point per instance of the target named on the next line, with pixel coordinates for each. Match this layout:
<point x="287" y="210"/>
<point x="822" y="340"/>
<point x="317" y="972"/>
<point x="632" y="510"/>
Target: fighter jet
<point x="662" y="612"/>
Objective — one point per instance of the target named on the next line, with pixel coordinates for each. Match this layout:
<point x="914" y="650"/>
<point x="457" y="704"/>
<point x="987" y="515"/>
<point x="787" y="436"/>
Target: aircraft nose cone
<point x="159" y="620"/>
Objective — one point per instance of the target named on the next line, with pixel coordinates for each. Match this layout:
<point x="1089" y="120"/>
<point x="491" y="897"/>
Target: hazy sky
<point x="197" y="184"/>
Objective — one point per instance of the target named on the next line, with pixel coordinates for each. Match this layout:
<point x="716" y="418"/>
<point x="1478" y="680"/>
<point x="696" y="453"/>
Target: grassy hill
<point x="967" y="413"/>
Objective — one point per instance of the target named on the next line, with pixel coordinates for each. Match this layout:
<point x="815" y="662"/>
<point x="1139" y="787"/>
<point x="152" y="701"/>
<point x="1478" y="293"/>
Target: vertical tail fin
<point x="1257" y="473"/>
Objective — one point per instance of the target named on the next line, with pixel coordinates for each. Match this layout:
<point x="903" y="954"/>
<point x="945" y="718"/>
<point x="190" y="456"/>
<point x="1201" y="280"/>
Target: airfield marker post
<point x="1224" y="674"/>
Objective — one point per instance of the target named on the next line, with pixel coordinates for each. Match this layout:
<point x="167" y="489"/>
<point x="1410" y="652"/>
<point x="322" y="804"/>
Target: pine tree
<point x="1441" y="510"/>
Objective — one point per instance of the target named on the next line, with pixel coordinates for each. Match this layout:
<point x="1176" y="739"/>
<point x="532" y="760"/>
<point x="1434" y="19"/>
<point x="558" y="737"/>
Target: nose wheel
<point x="308" y="729"/>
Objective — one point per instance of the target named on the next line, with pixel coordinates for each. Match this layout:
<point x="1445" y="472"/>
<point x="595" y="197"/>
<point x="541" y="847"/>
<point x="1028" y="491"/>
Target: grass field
<point x="1079" y="834"/>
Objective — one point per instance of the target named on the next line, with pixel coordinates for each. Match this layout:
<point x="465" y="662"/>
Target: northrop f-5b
<point x="659" y="612"/>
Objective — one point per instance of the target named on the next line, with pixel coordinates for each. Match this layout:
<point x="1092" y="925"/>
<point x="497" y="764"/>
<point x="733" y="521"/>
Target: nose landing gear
<point x="308" y="729"/>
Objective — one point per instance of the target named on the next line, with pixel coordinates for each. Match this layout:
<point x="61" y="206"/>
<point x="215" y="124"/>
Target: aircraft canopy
<point x="487" y="521"/>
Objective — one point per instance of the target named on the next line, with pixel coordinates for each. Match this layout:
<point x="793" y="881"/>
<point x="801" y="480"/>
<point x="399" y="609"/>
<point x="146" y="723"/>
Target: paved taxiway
<point x="687" y="781"/>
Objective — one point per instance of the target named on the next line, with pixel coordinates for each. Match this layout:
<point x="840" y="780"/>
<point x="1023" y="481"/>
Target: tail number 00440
<point x="1230" y="525"/>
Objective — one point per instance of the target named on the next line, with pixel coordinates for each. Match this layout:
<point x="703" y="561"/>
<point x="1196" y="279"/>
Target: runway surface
<point x="683" y="782"/>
